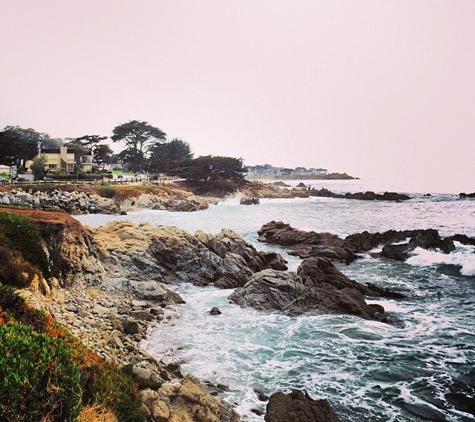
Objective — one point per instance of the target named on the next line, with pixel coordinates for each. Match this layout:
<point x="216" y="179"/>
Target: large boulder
<point x="298" y="406"/>
<point x="317" y="287"/>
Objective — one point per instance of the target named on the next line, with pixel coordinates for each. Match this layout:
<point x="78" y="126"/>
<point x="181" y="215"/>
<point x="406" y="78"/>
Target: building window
<point x="52" y="166"/>
<point x="70" y="167"/>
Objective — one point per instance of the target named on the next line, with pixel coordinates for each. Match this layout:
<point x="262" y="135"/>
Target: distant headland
<point x="267" y="171"/>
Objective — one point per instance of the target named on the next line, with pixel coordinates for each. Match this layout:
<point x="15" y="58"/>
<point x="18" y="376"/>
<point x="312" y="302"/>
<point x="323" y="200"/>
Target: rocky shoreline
<point x="95" y="200"/>
<point x="90" y="201"/>
<point x="111" y="290"/>
<point x="112" y="284"/>
<point x="112" y="322"/>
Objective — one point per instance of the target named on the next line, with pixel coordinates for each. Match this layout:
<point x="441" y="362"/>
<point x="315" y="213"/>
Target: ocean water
<point x="417" y="368"/>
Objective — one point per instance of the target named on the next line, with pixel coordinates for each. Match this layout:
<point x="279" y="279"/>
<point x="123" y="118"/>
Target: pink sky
<point x="383" y="90"/>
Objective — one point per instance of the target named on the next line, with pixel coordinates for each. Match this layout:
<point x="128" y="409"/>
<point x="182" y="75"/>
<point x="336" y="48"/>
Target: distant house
<point x="321" y="171"/>
<point x="286" y="171"/>
<point x="5" y="169"/>
<point x="86" y="162"/>
<point x="63" y="159"/>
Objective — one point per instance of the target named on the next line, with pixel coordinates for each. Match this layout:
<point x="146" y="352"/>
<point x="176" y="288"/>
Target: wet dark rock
<point x="275" y="260"/>
<point x="261" y="396"/>
<point x="372" y="196"/>
<point x="396" y="252"/>
<point x="258" y="412"/>
<point x="130" y="326"/>
<point x="395" y="244"/>
<point x="365" y="196"/>
<point x="463" y="239"/>
<point x="464" y="195"/>
<point x="462" y="393"/>
<point x="306" y="244"/>
<point x="215" y="311"/>
<point x="298" y="406"/>
<point x="250" y="200"/>
<point x="317" y="287"/>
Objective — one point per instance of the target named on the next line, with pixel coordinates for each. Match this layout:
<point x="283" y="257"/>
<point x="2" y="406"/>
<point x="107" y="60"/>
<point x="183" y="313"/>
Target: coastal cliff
<point x="107" y="315"/>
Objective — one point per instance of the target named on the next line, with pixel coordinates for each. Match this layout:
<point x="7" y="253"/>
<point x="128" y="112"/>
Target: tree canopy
<point x="18" y="145"/>
<point x="85" y="143"/>
<point x="38" y="167"/>
<point x="169" y="157"/>
<point x="215" y="170"/>
<point x="139" y="137"/>
<point x="102" y="155"/>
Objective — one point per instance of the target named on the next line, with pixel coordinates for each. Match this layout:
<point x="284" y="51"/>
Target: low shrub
<point x="23" y="235"/>
<point x="110" y="386"/>
<point x="106" y="191"/>
<point x="39" y="377"/>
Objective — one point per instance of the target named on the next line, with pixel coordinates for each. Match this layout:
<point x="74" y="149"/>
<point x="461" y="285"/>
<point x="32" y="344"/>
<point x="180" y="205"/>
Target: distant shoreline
<point x="331" y="176"/>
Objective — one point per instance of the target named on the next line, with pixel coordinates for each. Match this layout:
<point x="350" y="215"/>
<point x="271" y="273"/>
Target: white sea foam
<point x="463" y="257"/>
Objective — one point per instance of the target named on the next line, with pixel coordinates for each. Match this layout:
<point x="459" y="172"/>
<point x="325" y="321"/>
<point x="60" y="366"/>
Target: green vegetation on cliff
<point x="20" y="250"/>
<point x="48" y="375"/>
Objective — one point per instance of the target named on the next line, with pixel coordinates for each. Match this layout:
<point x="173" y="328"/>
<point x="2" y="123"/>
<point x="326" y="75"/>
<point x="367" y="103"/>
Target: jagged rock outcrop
<point x="395" y="244"/>
<point x="317" y="287"/>
<point x="298" y="406"/>
<point x="463" y="239"/>
<point x="306" y="244"/>
<point x="399" y="244"/>
<point x="365" y="196"/>
<point x="173" y="200"/>
<point x="172" y="255"/>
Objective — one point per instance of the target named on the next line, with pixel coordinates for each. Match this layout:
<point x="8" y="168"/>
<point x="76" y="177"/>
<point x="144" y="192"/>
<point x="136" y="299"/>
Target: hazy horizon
<point x="380" y="90"/>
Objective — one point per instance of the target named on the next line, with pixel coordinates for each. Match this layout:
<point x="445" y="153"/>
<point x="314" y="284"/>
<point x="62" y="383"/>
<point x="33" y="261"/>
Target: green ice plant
<point x="46" y="373"/>
<point x="39" y="378"/>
